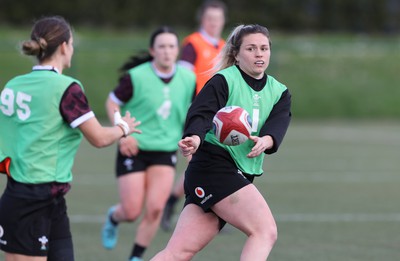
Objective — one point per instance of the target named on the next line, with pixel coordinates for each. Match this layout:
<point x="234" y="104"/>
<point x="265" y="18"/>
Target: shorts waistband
<point x="37" y="191"/>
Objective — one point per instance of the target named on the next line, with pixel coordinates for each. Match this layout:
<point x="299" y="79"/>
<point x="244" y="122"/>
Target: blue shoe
<point x="109" y="233"/>
<point x="135" y="258"/>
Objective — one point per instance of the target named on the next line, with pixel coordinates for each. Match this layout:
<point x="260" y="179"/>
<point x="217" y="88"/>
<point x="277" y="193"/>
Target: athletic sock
<point x="172" y="200"/>
<point x="137" y="250"/>
<point x="112" y="220"/>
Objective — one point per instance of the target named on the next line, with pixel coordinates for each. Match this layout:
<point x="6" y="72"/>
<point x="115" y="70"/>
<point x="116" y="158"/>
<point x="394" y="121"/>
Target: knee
<point x="184" y="256"/>
<point x="267" y="233"/>
<point x="131" y="214"/>
<point x="154" y="214"/>
<point x="271" y="233"/>
<point x="181" y="255"/>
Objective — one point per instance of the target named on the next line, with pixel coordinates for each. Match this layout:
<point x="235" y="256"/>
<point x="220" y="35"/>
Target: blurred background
<point x="333" y="186"/>
<point x="338" y="57"/>
<point x="360" y="16"/>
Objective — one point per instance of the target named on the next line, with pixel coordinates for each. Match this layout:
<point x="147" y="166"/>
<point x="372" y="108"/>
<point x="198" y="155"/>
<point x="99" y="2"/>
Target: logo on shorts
<point x="128" y="164"/>
<point x="199" y="192"/>
<point x="174" y="159"/>
<point x="43" y="240"/>
<point x="240" y="173"/>
<point x="2" y="242"/>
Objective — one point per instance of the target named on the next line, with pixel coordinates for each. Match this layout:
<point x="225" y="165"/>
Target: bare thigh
<point x="246" y="209"/>
<point x="193" y="221"/>
<point x="17" y="257"/>
<point x="159" y="181"/>
<point x="131" y="189"/>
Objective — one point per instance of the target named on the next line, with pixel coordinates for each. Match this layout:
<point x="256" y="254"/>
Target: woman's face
<point x="213" y="21"/>
<point x="165" y="51"/>
<point x="254" y="54"/>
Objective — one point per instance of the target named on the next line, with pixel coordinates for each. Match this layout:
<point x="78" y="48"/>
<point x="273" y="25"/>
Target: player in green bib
<point x="219" y="179"/>
<point x="158" y="92"/>
<point x="43" y="115"/>
<point x="198" y="53"/>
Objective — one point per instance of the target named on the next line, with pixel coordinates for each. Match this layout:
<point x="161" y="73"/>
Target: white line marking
<point x="346" y="217"/>
<point x="87" y="218"/>
<point x="337" y="176"/>
<point x="293" y="218"/>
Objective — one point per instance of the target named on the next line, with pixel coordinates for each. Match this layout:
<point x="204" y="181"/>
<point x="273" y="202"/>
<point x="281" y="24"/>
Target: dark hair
<point x="210" y="4"/>
<point x="47" y="34"/>
<point x="144" y="56"/>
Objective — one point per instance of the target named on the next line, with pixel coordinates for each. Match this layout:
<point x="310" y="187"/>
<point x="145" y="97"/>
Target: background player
<point x="43" y="115"/>
<point x="158" y="91"/>
<point x="199" y="51"/>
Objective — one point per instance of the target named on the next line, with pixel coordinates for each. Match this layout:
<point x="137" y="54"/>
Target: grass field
<point x="333" y="188"/>
<point x="334" y="185"/>
<point x="329" y="75"/>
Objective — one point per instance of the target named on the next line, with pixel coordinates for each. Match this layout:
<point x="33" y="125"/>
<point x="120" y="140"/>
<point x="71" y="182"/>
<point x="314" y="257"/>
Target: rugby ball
<point x="232" y="125"/>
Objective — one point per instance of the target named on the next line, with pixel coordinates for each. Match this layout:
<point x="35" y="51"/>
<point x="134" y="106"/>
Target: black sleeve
<point x="194" y="92"/>
<point x="210" y="99"/>
<point x="188" y="54"/>
<point x="278" y="121"/>
<point x="124" y="89"/>
<point x="74" y="103"/>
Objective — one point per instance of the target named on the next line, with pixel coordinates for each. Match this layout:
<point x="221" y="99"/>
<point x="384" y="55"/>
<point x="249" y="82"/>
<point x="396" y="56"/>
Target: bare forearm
<point x="100" y="136"/>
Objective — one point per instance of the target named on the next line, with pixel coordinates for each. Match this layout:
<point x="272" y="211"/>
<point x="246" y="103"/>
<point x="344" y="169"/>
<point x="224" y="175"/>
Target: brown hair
<point x="47" y="34"/>
<point x="227" y="55"/>
<point x="144" y="56"/>
<point x="210" y="4"/>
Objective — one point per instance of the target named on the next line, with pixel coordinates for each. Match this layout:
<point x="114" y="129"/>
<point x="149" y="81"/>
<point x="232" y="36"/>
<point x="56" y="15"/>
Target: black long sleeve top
<point x="214" y="96"/>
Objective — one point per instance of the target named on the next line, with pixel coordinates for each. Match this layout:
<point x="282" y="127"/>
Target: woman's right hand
<point x="189" y="145"/>
<point x="127" y="124"/>
<point x="128" y="146"/>
<point x="131" y="122"/>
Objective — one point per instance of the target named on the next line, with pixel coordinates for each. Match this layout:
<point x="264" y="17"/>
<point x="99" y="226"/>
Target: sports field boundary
<point x="296" y="217"/>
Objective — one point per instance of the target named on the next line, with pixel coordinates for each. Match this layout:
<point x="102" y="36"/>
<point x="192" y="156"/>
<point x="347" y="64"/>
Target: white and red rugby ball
<point x="232" y="125"/>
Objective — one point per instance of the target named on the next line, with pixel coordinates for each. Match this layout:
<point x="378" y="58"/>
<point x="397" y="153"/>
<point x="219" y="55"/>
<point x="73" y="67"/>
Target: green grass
<point x="330" y="76"/>
<point x="333" y="188"/>
<point x="339" y="76"/>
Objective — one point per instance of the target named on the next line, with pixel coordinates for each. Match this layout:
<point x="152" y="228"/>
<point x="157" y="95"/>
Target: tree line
<point x="369" y="16"/>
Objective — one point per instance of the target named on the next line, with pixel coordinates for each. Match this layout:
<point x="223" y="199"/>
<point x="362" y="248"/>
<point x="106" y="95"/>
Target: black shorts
<point x="143" y="160"/>
<point x="36" y="225"/>
<point x="211" y="176"/>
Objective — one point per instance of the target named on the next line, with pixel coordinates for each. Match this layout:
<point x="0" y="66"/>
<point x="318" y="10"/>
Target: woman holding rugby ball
<point x="219" y="179"/>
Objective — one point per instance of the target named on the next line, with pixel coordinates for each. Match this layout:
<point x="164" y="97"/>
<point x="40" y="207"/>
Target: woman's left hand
<point x="261" y="144"/>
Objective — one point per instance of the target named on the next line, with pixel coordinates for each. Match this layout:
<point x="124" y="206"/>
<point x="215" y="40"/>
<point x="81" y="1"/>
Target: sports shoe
<point x="135" y="258"/>
<point x="167" y="216"/>
<point x="109" y="233"/>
